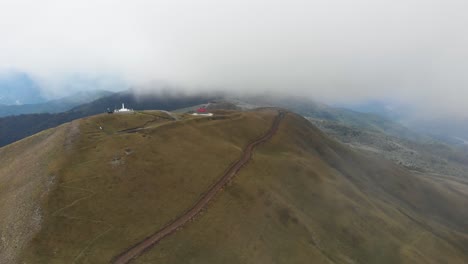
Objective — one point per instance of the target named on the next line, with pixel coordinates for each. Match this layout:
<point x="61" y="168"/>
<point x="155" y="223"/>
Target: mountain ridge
<point x="331" y="203"/>
<point x="13" y="128"/>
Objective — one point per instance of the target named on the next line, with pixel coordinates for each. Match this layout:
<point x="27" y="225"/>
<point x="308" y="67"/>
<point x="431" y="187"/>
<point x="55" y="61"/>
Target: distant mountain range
<point x="451" y="129"/>
<point x="53" y="106"/>
<point x="19" y="88"/>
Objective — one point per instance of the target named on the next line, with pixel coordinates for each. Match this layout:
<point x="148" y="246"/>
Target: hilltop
<point x="14" y="128"/>
<point x="88" y="190"/>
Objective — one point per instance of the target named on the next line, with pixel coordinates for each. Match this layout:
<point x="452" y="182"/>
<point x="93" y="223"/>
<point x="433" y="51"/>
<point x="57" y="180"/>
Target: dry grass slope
<point x="25" y="182"/>
<point x="308" y="199"/>
<point x="304" y="198"/>
<point x="116" y="188"/>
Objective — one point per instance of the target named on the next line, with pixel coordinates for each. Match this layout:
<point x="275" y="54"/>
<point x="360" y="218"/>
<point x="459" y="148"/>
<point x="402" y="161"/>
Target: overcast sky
<point x="413" y="51"/>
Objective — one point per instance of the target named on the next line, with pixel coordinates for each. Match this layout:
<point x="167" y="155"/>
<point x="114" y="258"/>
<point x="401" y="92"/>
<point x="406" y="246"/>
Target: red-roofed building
<point x="201" y="110"/>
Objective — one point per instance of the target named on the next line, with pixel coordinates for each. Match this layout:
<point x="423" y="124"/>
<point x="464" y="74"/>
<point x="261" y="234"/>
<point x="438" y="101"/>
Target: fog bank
<point x="412" y="51"/>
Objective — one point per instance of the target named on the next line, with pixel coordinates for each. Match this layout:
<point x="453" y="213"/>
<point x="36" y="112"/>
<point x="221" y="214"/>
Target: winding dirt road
<point x="139" y="248"/>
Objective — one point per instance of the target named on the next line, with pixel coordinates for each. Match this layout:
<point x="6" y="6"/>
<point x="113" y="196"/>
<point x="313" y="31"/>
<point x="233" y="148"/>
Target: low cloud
<point x="412" y="51"/>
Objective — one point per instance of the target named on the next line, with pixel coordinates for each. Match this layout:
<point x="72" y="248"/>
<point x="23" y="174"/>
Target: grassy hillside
<point x="382" y="136"/>
<point x="26" y="178"/>
<point x="303" y="198"/>
<point x="307" y="199"/>
<point x="128" y="183"/>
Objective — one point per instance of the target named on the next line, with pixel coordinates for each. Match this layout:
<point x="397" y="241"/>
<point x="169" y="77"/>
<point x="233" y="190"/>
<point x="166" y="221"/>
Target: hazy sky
<point x="336" y="50"/>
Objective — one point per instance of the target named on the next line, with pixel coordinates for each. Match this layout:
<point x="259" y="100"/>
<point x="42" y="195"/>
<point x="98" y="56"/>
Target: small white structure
<point x="123" y="109"/>
<point x="198" y="114"/>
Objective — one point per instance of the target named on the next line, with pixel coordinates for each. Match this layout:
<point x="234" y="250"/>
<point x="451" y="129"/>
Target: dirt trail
<point x="139" y="248"/>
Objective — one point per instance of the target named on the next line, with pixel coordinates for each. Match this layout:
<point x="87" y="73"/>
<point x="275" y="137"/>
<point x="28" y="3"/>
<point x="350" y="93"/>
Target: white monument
<point x="123" y="109"/>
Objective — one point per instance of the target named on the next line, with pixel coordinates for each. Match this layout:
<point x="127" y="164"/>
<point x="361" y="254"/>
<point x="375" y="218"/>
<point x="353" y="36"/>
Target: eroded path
<point x="152" y="240"/>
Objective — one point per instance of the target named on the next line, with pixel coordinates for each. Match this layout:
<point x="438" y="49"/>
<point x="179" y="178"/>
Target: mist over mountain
<point x="53" y="106"/>
<point x="18" y="89"/>
<point x="451" y="128"/>
<point x="233" y="131"/>
<point x="332" y="51"/>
